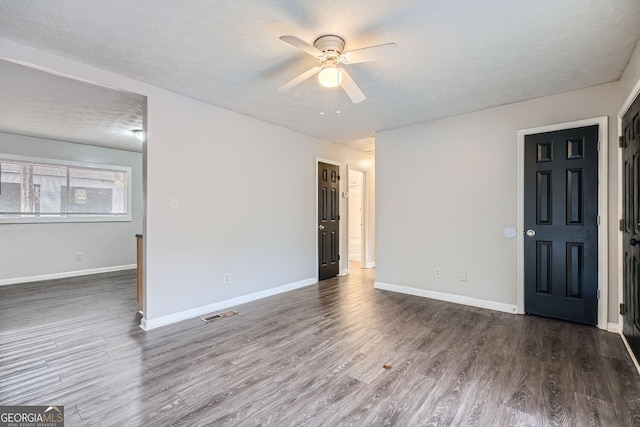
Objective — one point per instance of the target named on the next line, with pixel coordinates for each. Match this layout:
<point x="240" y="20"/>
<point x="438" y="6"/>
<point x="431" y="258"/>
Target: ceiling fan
<point x="329" y="50"/>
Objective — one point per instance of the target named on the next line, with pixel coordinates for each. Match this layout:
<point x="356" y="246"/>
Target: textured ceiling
<point x="41" y="104"/>
<point x="455" y="56"/>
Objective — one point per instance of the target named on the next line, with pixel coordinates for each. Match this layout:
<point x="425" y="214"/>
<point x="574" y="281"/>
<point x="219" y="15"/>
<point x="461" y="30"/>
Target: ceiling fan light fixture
<point x="330" y="76"/>
<point x="329" y="51"/>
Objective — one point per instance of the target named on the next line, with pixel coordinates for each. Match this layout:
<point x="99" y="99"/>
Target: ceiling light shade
<point x="139" y="133"/>
<point x="330" y="76"/>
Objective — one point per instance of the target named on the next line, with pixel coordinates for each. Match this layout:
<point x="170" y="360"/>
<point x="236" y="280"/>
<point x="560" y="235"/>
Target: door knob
<point x="634" y="242"/>
<point x="321" y="227"/>
<point x="530" y="233"/>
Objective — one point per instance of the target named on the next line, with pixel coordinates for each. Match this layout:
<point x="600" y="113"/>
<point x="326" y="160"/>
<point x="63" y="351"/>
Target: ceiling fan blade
<point x="367" y="54"/>
<point x="302" y="45"/>
<point x="297" y="80"/>
<point x="351" y="88"/>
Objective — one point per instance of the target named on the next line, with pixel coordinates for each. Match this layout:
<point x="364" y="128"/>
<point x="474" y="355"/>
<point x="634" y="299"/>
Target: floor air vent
<point x="216" y="316"/>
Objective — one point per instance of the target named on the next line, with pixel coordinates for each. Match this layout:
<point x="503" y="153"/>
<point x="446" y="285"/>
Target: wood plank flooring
<point x="310" y="357"/>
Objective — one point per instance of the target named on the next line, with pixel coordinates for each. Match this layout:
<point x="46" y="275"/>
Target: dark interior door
<point x="631" y="226"/>
<point x="328" y="220"/>
<point x="560" y="220"/>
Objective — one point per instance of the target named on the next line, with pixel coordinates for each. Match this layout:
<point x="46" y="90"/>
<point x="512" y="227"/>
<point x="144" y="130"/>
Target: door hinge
<point x="338" y="177"/>
<point x="622" y="308"/>
<point x="338" y="217"/>
<point x="621" y="141"/>
<point x="598" y="220"/>
<point x="621" y="224"/>
<point x="338" y="257"/>
<point x="598" y="294"/>
<point x="598" y="146"/>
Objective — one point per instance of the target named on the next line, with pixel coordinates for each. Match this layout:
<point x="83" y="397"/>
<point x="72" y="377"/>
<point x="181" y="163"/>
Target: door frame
<point x="364" y="241"/>
<point x="627" y="104"/>
<point x="603" y="234"/>
<point x="341" y="272"/>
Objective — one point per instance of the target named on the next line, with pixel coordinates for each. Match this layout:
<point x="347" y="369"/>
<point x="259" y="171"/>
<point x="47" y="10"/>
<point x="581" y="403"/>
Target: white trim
<point x="66" y="274"/>
<point x="620" y="233"/>
<point x="633" y="356"/>
<point x="63" y="218"/>
<point x="603" y="227"/>
<point x="614" y="327"/>
<point x="627" y="104"/>
<point x="441" y="296"/>
<point x="315" y="219"/>
<point x="370" y="265"/>
<point x="148" y="324"/>
<point x="603" y="232"/>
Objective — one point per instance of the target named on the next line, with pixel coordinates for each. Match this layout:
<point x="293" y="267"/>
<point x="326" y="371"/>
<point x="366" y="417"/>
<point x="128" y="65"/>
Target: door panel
<point x="543" y="192"/>
<point x="575" y="269"/>
<point x="561" y="208"/>
<point x="574" y="193"/>
<point x="544" y="261"/>
<point x="328" y="220"/>
<point x="631" y="226"/>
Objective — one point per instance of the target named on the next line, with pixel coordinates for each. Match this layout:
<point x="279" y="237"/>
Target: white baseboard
<point x="441" y="296"/>
<point x="370" y="265"/>
<point x="633" y="357"/>
<point x="614" y="327"/>
<point x="64" y="275"/>
<point x="148" y="324"/>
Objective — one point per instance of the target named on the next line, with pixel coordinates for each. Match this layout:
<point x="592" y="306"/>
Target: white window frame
<point x="70" y="217"/>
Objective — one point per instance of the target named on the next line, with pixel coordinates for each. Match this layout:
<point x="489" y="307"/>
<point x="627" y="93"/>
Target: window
<point x="39" y="190"/>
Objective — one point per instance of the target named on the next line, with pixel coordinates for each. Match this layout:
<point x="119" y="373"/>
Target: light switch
<point x="174" y="203"/>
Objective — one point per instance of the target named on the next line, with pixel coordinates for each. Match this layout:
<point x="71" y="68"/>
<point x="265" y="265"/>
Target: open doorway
<point x="78" y="167"/>
<point x="356" y="233"/>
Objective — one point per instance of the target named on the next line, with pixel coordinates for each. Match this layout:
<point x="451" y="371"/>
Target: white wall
<point x="246" y="192"/>
<point x="247" y="204"/>
<point x="448" y="190"/>
<point x="48" y="249"/>
<point x="370" y="220"/>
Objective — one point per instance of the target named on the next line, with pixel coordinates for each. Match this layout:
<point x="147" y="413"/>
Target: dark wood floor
<point x="310" y="357"/>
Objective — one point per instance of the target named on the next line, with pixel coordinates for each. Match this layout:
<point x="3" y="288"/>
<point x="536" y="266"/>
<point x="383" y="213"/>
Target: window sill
<point x="63" y="219"/>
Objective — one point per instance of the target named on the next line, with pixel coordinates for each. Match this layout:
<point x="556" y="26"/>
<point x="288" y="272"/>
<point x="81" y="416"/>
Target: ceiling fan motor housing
<point x="331" y="45"/>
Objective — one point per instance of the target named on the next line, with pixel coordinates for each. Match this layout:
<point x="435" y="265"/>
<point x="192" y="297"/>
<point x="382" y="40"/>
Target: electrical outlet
<point x="437" y="272"/>
<point x="227" y="278"/>
<point x="79" y="256"/>
<point x="463" y="276"/>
